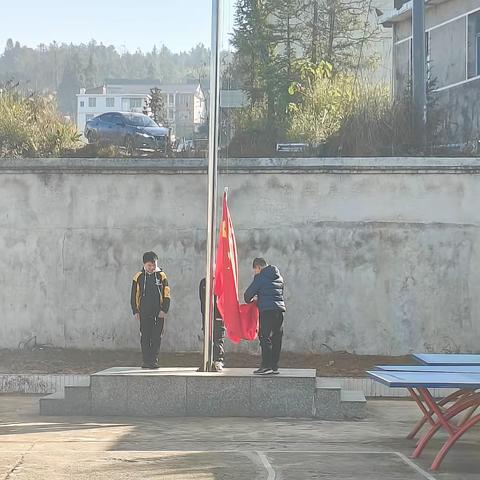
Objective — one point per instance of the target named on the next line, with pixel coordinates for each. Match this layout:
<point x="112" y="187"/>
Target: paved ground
<point x="34" y="447"/>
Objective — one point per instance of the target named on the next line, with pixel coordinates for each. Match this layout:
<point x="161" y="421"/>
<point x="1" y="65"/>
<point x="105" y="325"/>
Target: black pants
<point x="151" y="329"/>
<point x="270" y="336"/>
<point x="219" y="340"/>
<point x="218" y="337"/>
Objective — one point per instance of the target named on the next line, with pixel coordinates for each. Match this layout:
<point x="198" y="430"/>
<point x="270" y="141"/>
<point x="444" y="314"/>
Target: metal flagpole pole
<point x="212" y="181"/>
<point x="419" y="67"/>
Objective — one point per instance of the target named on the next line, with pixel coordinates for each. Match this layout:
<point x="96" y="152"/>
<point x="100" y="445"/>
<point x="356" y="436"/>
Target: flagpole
<point x="212" y="182"/>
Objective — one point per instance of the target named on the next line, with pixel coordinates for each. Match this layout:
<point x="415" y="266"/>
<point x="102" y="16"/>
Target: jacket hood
<point x="271" y="272"/>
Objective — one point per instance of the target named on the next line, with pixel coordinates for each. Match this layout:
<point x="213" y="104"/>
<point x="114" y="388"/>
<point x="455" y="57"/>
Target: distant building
<point x="452" y="40"/>
<point x="185" y="105"/>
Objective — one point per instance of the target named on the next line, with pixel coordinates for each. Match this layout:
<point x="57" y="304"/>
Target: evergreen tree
<point x="155" y="106"/>
<point x="70" y="85"/>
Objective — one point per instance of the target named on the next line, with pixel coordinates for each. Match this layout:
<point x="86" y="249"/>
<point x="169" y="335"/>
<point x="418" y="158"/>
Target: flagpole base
<point x="211" y="369"/>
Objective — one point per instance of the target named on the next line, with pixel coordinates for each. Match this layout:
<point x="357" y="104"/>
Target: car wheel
<point x="92" y="138"/>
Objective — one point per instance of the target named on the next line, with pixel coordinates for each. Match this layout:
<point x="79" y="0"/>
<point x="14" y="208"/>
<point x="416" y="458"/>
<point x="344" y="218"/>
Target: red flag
<point x="240" y="320"/>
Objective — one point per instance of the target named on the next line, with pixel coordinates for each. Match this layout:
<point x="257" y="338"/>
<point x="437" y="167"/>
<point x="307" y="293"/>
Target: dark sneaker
<point x="155" y="366"/>
<point x="275" y="371"/>
<point x="263" y="371"/>
<point x="145" y="366"/>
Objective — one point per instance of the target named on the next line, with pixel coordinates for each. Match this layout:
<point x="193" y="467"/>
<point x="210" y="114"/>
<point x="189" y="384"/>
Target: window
<point x="82" y="104"/>
<point x="92" y="102"/>
<point x="477" y="48"/>
<point x="171" y="99"/>
<point x="110" y="103"/>
<point x="136" y="102"/>
<point x="183" y="100"/>
<point x="106" y="117"/>
<point x="117" y="119"/>
<point x="427" y="57"/>
<point x="171" y="114"/>
<point x="129" y="104"/>
<point x="473" y="46"/>
<point x="138" y="120"/>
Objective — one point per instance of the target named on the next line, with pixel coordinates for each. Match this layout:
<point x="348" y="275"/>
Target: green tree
<point x="70" y="85"/>
<point x="252" y="39"/>
<point x="336" y="31"/>
<point x="90" y="74"/>
<point x="155" y="106"/>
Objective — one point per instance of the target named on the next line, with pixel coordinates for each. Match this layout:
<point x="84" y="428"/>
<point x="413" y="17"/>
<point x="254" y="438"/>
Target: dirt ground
<point x="55" y="360"/>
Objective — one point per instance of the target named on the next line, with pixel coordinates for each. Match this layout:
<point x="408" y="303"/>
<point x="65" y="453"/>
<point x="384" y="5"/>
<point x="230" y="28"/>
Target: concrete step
<point x="327" y="399"/>
<point x="333" y="403"/>
<point x="331" y="383"/>
<point x="353" y="405"/>
<point x="53" y="404"/>
<point x="78" y="400"/>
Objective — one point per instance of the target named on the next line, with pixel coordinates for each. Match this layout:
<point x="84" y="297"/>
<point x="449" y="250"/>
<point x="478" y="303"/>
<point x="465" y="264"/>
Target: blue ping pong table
<point x="454" y="359"/>
<point x="439" y="413"/>
<point x="430" y="368"/>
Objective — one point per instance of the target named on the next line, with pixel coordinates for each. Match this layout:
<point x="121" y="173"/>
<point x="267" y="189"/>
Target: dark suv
<point x="129" y="130"/>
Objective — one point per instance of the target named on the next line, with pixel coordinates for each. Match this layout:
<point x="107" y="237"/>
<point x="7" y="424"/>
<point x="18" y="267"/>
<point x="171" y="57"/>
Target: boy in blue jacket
<point x="268" y="287"/>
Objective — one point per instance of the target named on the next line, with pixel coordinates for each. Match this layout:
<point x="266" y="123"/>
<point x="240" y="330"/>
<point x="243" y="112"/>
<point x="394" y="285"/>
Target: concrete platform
<point x="179" y="392"/>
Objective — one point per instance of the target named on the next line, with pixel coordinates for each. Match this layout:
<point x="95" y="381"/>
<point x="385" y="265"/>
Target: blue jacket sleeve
<point x="251" y="291"/>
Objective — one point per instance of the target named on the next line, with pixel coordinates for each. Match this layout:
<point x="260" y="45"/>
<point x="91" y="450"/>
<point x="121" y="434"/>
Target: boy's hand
<point x="137" y="316"/>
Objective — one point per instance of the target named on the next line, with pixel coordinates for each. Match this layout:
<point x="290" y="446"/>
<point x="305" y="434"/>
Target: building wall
<point x="379" y="257"/>
<point x="454" y="64"/>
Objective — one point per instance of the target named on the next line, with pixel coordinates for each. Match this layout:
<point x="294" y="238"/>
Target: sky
<point x="126" y="24"/>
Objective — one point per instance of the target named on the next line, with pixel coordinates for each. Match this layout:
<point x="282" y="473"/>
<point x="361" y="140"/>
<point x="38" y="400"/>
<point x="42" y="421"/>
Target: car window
<point x="139" y="120"/>
<point x="118" y="119"/>
<point x="108" y="118"/>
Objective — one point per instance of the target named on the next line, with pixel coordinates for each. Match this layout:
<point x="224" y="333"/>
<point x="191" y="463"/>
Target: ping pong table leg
<point x="443" y="418"/>
<point x="452" y="440"/>
<point x="427" y="415"/>
<point x="440" y="421"/>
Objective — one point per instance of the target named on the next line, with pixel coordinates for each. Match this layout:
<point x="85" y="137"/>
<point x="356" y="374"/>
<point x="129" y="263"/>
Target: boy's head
<point x="150" y="261"/>
<point x="258" y="265"/>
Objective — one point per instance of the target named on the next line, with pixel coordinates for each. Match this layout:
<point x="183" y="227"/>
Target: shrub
<point x="30" y="125"/>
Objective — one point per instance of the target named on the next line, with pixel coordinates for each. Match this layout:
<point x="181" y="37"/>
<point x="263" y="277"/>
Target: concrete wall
<point x="379" y="256"/>
<point x="461" y="105"/>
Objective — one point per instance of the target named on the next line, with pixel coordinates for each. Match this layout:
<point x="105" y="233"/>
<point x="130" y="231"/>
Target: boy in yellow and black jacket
<point x="150" y="302"/>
